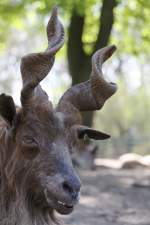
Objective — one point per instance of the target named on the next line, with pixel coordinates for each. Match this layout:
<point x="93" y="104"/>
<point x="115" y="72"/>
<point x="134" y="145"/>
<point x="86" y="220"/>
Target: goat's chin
<point x="60" y="206"/>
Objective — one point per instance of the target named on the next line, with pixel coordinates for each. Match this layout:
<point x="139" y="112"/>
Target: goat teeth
<point x="62" y="203"/>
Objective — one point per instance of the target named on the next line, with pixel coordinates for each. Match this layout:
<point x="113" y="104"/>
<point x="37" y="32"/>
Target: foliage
<point x="132" y="26"/>
<point x="131" y="33"/>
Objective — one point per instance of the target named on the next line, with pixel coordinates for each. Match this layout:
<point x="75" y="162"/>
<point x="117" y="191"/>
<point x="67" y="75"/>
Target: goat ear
<point x="7" y="108"/>
<point x="91" y="133"/>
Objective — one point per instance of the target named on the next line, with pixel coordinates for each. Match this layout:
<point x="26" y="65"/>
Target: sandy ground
<point x="113" y="197"/>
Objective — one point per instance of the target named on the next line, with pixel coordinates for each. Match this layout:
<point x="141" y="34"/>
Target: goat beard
<point x="20" y="209"/>
<point x="18" y="206"/>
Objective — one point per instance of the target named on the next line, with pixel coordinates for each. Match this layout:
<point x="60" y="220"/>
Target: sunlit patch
<point x="90" y="201"/>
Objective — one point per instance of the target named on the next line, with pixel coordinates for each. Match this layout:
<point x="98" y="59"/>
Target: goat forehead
<point x="45" y="114"/>
<point x="38" y="115"/>
<point x="44" y="121"/>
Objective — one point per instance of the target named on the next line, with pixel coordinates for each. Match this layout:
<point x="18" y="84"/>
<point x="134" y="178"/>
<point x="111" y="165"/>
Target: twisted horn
<point x="92" y="94"/>
<point x="36" y="66"/>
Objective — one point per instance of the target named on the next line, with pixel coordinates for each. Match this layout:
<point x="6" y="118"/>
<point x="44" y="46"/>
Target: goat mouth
<point x="61" y="207"/>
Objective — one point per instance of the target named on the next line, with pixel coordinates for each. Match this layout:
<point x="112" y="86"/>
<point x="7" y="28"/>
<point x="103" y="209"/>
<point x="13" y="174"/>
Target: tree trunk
<point x="79" y="61"/>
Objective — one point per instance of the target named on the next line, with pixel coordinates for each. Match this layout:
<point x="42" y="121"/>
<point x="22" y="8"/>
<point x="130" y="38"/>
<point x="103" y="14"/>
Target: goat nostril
<point x="72" y="190"/>
<point x="67" y="187"/>
<point x="75" y="196"/>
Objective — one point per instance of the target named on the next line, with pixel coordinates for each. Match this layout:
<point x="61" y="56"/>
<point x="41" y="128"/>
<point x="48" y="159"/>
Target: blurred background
<point x="89" y="25"/>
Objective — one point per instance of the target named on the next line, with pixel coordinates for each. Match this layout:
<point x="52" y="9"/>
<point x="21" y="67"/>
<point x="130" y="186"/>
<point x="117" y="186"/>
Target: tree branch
<point x="105" y="23"/>
<point x="75" y="50"/>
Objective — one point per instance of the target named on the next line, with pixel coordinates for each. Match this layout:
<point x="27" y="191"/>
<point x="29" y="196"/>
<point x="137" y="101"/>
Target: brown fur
<point x="16" y="205"/>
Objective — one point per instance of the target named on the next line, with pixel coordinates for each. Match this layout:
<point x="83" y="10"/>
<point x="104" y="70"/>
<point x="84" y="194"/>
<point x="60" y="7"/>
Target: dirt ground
<point x="113" y="197"/>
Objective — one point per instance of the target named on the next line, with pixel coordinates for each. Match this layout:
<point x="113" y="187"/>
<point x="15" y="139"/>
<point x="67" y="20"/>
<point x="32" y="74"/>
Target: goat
<point x="37" y="177"/>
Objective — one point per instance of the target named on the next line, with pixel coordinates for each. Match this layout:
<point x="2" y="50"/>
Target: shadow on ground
<point x="113" y="197"/>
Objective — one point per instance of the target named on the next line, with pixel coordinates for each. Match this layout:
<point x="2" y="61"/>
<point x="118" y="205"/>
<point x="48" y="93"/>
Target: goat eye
<point x="29" y="147"/>
<point x="28" y="141"/>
